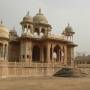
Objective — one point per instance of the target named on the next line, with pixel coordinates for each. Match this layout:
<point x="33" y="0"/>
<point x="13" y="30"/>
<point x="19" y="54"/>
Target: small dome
<point x="4" y="32"/>
<point x="13" y="31"/>
<point x="68" y="29"/>
<point x="40" y="18"/>
<point x="27" y="18"/>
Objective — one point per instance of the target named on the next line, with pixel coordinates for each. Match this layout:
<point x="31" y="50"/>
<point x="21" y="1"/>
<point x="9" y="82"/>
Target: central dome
<point x="4" y="33"/>
<point x="40" y="18"/>
<point x="28" y="18"/>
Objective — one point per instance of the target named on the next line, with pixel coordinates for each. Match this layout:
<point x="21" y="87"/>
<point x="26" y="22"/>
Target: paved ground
<point x="46" y="83"/>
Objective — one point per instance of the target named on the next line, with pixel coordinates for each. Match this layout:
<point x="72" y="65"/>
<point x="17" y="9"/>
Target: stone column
<point x="65" y="55"/>
<point x="6" y="53"/>
<point x="62" y="57"/>
<point x="30" y="56"/>
<point x="1" y="51"/>
<point x="52" y="53"/>
<point x="59" y="59"/>
<point x="72" y="56"/>
<point x="42" y="55"/>
<point x="28" y="53"/>
<point x="48" y="53"/>
<point x="3" y="54"/>
<point x="23" y="51"/>
<point x="58" y="56"/>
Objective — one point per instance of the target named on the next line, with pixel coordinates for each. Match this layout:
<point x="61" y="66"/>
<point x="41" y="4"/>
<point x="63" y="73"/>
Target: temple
<point x="36" y="44"/>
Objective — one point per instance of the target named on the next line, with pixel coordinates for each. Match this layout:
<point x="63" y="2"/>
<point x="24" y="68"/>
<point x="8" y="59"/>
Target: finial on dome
<point x="27" y="13"/>
<point x="40" y="11"/>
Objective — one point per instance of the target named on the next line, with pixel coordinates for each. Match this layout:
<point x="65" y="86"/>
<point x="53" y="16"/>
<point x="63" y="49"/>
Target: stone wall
<point x="84" y="67"/>
<point x="12" y="69"/>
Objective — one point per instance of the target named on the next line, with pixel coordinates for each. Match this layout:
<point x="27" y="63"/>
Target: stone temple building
<point x="36" y="44"/>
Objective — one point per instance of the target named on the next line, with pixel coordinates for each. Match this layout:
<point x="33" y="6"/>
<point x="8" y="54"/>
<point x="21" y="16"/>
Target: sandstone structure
<point x="36" y="44"/>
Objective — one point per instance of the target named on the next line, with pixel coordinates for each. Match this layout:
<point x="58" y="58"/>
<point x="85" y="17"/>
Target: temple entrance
<point x="36" y="54"/>
<point x="57" y="53"/>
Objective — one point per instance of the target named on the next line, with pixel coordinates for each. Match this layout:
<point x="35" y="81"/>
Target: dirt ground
<point x="46" y="83"/>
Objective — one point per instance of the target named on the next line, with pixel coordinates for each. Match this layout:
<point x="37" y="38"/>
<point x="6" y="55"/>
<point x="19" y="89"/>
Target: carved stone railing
<point x="31" y="65"/>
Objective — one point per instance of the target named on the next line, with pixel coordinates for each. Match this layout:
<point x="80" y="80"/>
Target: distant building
<point x="84" y="59"/>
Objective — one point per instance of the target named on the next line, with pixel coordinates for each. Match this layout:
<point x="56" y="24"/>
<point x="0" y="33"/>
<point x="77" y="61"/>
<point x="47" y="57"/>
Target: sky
<point x="58" y="12"/>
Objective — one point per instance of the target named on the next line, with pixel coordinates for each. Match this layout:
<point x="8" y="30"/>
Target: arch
<point x="37" y="30"/>
<point x="36" y="54"/>
<point x="43" y="30"/>
<point x="25" y="26"/>
<point x="57" y="53"/>
<point x="29" y="27"/>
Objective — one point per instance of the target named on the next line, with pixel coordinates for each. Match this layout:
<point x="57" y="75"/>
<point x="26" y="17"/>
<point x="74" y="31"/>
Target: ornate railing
<point x="31" y="65"/>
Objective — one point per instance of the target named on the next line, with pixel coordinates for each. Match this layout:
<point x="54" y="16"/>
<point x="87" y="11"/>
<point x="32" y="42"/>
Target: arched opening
<point x="43" y="31"/>
<point x="37" y="31"/>
<point x="57" y="53"/>
<point x="36" y="54"/>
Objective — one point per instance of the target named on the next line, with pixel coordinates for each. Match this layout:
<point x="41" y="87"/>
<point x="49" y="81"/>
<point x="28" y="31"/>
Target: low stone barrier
<point x="23" y="69"/>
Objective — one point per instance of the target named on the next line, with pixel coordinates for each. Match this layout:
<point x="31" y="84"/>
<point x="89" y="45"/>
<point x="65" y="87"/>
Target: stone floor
<point x="46" y="83"/>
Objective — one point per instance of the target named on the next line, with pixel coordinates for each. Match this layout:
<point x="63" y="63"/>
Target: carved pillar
<point x="42" y="55"/>
<point x="62" y="57"/>
<point x="30" y="52"/>
<point x="58" y="55"/>
<point x="52" y="54"/>
<point x="48" y="53"/>
<point x="1" y="51"/>
<point x="23" y="50"/>
<point x="6" y="52"/>
<point x="3" y="55"/>
<point x="65" y="55"/>
<point x="72" y="56"/>
<point x="28" y="49"/>
<point x="53" y="59"/>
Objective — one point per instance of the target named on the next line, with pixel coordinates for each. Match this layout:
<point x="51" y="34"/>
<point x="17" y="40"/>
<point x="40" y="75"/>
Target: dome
<point x="4" y="32"/>
<point x="40" y="18"/>
<point x="27" y="18"/>
<point x="68" y="29"/>
<point x="13" y="31"/>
